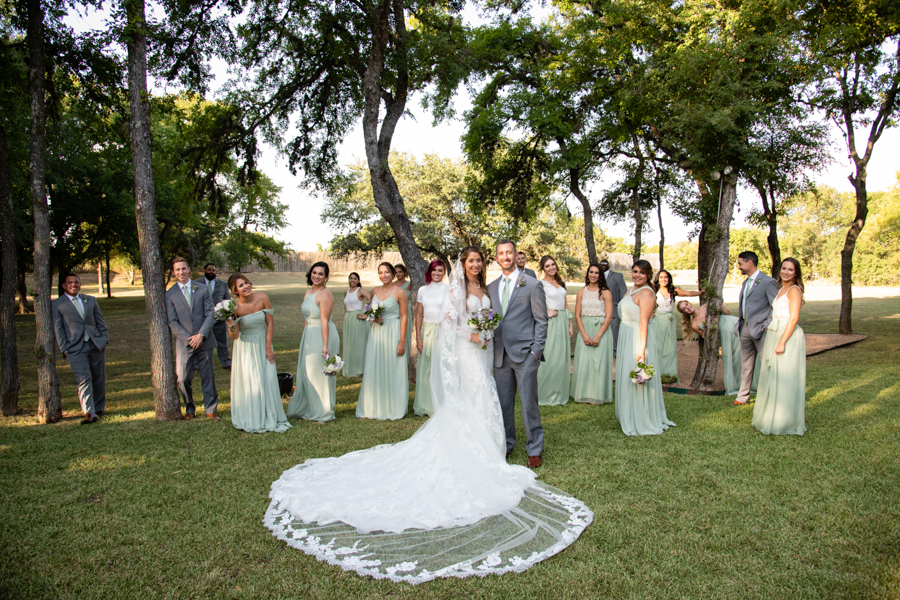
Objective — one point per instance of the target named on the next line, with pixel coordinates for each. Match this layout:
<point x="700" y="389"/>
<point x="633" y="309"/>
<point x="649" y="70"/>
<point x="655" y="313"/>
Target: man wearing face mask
<point x="619" y="290"/>
<point x="218" y="291"/>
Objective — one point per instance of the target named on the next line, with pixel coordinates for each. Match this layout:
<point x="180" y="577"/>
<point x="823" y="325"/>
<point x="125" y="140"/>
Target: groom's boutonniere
<point x="521" y="281"/>
<point x="193" y="288"/>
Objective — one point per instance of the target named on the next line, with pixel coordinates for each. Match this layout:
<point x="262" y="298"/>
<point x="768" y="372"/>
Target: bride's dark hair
<point x="463" y="256"/>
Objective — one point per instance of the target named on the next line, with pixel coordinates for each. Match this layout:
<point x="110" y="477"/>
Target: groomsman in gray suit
<point x="619" y="290"/>
<point x="82" y="337"/>
<point x="518" y="349"/>
<point x="190" y="311"/>
<point x="754" y="315"/>
<point x="520" y="262"/>
<point x="218" y="290"/>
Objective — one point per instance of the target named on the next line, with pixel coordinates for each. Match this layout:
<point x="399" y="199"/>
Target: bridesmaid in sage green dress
<point x="781" y="401"/>
<point x="663" y="322"/>
<point x="693" y="323"/>
<point x="401" y="276"/>
<point x="384" y="393"/>
<point x="428" y="309"/>
<point x="554" y="370"/>
<point x="592" y="375"/>
<point x="639" y="407"/>
<point x="255" y="396"/>
<point x="313" y="397"/>
<point x="356" y="328"/>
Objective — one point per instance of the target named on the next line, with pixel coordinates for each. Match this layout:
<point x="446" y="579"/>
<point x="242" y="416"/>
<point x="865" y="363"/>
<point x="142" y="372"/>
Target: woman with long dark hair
<point x="356" y="329"/>
<point x="639" y="406"/>
<point x="428" y="309"/>
<point x="384" y="393"/>
<point x="663" y="322"/>
<point x="314" y="392"/>
<point x="553" y="373"/>
<point x="781" y="401"/>
<point x="592" y="374"/>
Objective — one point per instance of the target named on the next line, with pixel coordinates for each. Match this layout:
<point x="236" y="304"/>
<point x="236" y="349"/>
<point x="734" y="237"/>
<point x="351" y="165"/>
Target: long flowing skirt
<point x="255" y="397"/>
<point x="639" y="407"/>
<point x="384" y="393"/>
<point x="781" y="401"/>
<point x="731" y="354"/>
<point x="592" y="375"/>
<point x="423" y="404"/>
<point x="313" y="397"/>
<point x="356" y="336"/>
<point x="663" y="325"/>
<point x="553" y="372"/>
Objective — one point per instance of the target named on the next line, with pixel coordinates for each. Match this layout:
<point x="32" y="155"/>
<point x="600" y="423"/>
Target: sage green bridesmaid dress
<point x="780" y="407"/>
<point x="554" y="370"/>
<point x="663" y="324"/>
<point x="255" y="397"/>
<point x="423" y="403"/>
<point x="355" y="337"/>
<point x="410" y="314"/>
<point x="385" y="386"/>
<point x="313" y="397"/>
<point x="731" y="356"/>
<point x="639" y="407"/>
<point x="592" y="375"/>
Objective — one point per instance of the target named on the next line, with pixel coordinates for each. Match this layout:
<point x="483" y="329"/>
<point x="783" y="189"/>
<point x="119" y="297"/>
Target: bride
<point x="443" y="503"/>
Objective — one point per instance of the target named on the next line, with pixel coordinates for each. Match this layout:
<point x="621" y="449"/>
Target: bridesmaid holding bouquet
<point x="356" y="329"/>
<point x="663" y="322"/>
<point x="592" y="375"/>
<point x="255" y="397"/>
<point x="428" y="310"/>
<point x="639" y="406"/>
<point x="553" y="372"/>
<point x="781" y="400"/>
<point x="385" y="386"/>
<point x="314" y="394"/>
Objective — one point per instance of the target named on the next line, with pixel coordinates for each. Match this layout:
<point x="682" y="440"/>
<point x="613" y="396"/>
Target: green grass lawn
<point x="129" y="508"/>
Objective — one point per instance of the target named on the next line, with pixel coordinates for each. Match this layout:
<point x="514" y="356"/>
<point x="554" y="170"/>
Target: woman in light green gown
<point x="554" y="370"/>
<point x="663" y="322"/>
<point x="356" y="328"/>
<point x="639" y="407"/>
<point x="592" y="375"/>
<point x="781" y="401"/>
<point x="384" y="393"/>
<point x="403" y="281"/>
<point x="693" y="324"/>
<point x="313" y="397"/>
<point x="255" y="396"/>
<point x="428" y="308"/>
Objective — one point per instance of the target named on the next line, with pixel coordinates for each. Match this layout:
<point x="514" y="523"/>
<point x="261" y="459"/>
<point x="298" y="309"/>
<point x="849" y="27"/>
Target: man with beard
<point x="218" y="291"/>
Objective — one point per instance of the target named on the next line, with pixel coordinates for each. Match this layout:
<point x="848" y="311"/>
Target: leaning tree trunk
<point x="49" y="404"/>
<point x="162" y="363"/>
<point x="705" y="376"/>
<point x="9" y="357"/>
<point x="575" y="188"/>
<point x="845" y="326"/>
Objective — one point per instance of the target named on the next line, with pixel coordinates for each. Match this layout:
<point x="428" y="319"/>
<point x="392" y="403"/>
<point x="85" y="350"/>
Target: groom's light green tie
<point x="187" y="293"/>
<point x="505" y="299"/>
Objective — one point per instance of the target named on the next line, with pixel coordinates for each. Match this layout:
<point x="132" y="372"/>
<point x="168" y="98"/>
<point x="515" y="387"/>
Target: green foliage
<point x="681" y="255"/>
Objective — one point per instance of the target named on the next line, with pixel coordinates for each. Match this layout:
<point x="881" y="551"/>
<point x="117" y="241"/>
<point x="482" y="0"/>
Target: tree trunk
<point x="575" y="188"/>
<point x="662" y="234"/>
<point x="705" y="376"/>
<point x="845" y="326"/>
<point x="49" y="404"/>
<point x="108" y="286"/>
<point x="23" y="291"/>
<point x="9" y="356"/>
<point x="99" y="278"/>
<point x="771" y="215"/>
<point x="162" y="363"/>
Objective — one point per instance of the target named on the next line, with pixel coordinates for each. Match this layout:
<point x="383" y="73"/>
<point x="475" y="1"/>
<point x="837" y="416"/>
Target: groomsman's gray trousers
<point x="185" y="364"/>
<point x="510" y="376"/>
<point x="614" y="325"/>
<point x="89" y="367"/>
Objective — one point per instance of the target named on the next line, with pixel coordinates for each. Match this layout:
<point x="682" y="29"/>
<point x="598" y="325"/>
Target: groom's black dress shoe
<point x="534" y="462"/>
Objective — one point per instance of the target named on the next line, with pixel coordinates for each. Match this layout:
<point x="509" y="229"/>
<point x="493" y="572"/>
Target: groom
<point x="518" y="348"/>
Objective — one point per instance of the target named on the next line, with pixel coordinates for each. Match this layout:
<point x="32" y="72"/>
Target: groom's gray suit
<point x="754" y="315"/>
<point x="185" y="321"/>
<point x="518" y="349"/>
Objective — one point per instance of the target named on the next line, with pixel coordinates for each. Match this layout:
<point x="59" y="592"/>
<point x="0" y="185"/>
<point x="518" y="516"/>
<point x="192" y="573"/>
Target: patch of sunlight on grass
<point x="139" y="416"/>
<point x="887" y="392"/>
<point x="4" y="448"/>
<point x="845" y="386"/>
<point x="862" y="410"/>
<point x="897" y="316"/>
<point x="130" y="392"/>
<point x="106" y="462"/>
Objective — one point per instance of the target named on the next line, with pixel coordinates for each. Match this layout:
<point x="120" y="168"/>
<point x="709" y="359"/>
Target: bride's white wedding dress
<point x="442" y="503"/>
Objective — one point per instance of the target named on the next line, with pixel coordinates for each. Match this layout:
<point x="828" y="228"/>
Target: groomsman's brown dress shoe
<point x="87" y="419"/>
<point x="736" y="403"/>
<point x="213" y="416"/>
<point x="534" y="462"/>
<point x="507" y="455"/>
<point x="99" y="413"/>
<point x="188" y="416"/>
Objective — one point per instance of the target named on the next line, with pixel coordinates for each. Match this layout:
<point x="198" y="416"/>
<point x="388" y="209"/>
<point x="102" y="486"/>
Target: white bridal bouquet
<point x="373" y="310"/>
<point x="484" y="321"/>
<point x="642" y="374"/>
<point x="333" y="365"/>
<point x="225" y="309"/>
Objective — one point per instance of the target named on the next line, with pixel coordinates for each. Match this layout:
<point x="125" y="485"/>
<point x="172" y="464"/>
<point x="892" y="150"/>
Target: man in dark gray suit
<point x="190" y="311"/>
<point x="518" y="349"/>
<point x="619" y="290"/>
<point x="754" y="315"/>
<point x="82" y="337"/>
<point x="520" y="262"/>
<point x="218" y="290"/>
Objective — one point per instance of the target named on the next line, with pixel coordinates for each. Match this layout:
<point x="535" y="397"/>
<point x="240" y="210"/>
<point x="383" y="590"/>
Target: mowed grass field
<point x="131" y="508"/>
